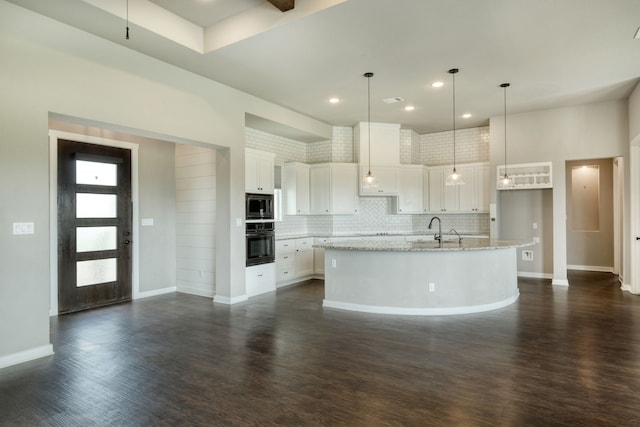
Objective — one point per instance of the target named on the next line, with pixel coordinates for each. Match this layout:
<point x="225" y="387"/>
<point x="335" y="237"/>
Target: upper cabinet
<point x="471" y="197"/>
<point x="386" y="181"/>
<point x="410" y="190"/>
<point x="258" y="171"/>
<point x="333" y="188"/>
<point x="385" y="143"/>
<point x="296" y="188"/>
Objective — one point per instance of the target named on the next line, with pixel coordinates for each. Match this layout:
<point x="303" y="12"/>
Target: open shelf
<point x="526" y="175"/>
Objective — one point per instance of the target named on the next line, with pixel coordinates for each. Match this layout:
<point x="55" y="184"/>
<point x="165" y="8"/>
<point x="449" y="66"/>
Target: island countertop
<point x="422" y="246"/>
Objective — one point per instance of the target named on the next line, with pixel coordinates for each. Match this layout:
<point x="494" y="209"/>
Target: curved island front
<point x="421" y="278"/>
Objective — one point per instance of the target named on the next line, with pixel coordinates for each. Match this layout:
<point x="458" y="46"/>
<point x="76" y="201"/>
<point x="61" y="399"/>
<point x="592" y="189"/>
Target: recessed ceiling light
<point x="466" y="115"/>
<point x="409" y="108"/>
<point x="334" y="100"/>
<point x="437" y="84"/>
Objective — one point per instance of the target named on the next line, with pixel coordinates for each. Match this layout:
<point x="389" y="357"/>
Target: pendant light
<point x="506" y="181"/>
<point x="369" y="180"/>
<point x="454" y="178"/>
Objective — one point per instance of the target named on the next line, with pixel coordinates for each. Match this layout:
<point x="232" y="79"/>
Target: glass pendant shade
<point x="369" y="180"/>
<point x="505" y="182"/>
<point x="454" y="178"/>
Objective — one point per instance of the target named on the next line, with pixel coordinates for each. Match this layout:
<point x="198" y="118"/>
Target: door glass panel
<point x="96" y="271"/>
<point x="89" y="205"/>
<point x="95" y="239"/>
<point x="96" y="173"/>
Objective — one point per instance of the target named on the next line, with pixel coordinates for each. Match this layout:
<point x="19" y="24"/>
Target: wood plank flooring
<point x="558" y="356"/>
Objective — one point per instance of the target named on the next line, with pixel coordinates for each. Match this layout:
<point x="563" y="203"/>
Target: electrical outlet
<point x="333" y="263"/>
<point x="527" y="255"/>
<point x="432" y="287"/>
<point x="23" y="228"/>
<point x="536" y="240"/>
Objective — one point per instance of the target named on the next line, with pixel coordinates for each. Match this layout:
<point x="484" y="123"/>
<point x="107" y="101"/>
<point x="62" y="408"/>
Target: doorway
<point x="591" y="215"/>
<point x="94" y="225"/>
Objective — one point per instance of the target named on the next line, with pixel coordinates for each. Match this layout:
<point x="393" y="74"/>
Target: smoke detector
<point x="393" y="100"/>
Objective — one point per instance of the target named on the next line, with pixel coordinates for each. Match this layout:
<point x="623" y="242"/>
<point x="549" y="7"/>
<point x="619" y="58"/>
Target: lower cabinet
<point x="260" y="279"/>
<point x="294" y="260"/>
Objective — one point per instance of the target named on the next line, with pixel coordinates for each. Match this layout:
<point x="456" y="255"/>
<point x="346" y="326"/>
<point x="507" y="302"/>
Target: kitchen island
<point x="421" y="278"/>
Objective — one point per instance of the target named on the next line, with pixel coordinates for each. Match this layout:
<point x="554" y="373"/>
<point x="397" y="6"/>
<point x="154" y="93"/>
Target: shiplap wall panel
<point x="195" y="220"/>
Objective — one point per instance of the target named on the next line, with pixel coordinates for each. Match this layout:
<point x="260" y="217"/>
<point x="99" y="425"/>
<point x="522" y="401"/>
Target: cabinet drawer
<point x="303" y="244"/>
<point x="283" y="246"/>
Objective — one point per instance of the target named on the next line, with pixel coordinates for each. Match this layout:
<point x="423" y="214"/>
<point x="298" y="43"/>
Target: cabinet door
<point x="304" y="262"/>
<point x="482" y="189"/>
<point x="319" y="189"/>
<point x="251" y="172"/>
<point x="265" y="175"/>
<point x="409" y="190"/>
<point x="436" y="186"/>
<point x="442" y="197"/>
<point x="467" y="191"/>
<point x="344" y="188"/>
<point x="386" y="183"/>
<point x="296" y="183"/>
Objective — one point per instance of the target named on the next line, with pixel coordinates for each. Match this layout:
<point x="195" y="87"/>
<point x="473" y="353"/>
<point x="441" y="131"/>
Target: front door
<point x="94" y="225"/>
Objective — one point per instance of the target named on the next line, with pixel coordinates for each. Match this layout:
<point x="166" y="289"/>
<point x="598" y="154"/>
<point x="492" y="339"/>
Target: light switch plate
<point x="23" y="228"/>
<point x="147" y="222"/>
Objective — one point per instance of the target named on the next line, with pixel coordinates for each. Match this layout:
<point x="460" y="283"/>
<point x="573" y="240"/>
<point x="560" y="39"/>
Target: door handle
<point x="637" y="238"/>
<point x="127" y="242"/>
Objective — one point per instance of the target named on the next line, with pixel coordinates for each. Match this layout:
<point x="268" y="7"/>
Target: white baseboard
<point x="625" y="287"/>
<point x="294" y="281"/>
<point x="532" y="275"/>
<point x="560" y="282"/>
<point x="26" y="355"/>
<point x="155" y="292"/>
<point x="598" y="268"/>
<point x="434" y="311"/>
<point x="229" y="301"/>
<point x="207" y="293"/>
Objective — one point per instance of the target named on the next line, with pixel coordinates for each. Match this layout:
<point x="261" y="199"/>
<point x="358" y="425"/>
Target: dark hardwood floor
<point x="558" y="356"/>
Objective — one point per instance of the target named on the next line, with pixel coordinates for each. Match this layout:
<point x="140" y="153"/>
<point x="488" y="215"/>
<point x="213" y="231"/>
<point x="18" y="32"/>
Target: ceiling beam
<point x="283" y="5"/>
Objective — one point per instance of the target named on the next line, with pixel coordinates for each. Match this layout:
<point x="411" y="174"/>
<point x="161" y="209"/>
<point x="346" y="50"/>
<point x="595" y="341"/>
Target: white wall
<point x="48" y="67"/>
<point x="633" y="194"/>
<point x="581" y="132"/>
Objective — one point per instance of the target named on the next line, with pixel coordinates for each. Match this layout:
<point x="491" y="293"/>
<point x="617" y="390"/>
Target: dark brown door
<point x="94" y="225"/>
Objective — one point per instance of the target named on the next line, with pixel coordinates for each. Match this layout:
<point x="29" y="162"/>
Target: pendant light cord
<point x="454" y="119"/>
<point x="369" y="116"/>
<point x="127" y="33"/>
<point x="505" y="86"/>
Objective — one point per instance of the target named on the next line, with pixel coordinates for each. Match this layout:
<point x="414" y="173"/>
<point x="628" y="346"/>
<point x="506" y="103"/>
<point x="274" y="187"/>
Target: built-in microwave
<point x="259" y="206"/>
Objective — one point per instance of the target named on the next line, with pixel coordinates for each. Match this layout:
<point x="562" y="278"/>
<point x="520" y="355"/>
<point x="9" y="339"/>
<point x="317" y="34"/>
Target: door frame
<point x="54" y="135"/>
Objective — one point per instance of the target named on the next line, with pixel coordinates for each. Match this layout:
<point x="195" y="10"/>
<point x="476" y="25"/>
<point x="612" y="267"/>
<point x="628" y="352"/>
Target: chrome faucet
<point x="438" y="236"/>
<point x="457" y="234"/>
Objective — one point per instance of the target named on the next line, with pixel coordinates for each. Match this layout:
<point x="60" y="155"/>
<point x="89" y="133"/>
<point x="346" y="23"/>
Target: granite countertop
<point x="401" y="246"/>
<point x="364" y="235"/>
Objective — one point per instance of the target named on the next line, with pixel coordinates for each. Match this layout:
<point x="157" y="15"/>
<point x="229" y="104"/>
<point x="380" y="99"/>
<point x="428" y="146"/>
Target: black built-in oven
<point x="261" y="247"/>
<point x="259" y="206"/>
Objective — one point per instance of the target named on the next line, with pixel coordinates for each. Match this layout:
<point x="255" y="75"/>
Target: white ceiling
<point x="554" y="53"/>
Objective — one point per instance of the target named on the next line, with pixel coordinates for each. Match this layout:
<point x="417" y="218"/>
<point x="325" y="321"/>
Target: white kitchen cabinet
<point x="386" y="181"/>
<point x="442" y="198"/>
<point x="260" y="279"/>
<point x="296" y="188"/>
<point x="259" y="171"/>
<point x="471" y="197"/>
<point x="410" y="190"/>
<point x="474" y="194"/>
<point x="333" y="188"/>
<point x="294" y="260"/>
